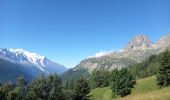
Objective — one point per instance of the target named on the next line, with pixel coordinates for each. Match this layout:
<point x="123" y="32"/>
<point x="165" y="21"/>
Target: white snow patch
<point x="32" y="57"/>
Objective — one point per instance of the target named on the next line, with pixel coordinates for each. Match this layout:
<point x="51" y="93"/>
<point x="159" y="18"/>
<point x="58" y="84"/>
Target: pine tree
<point x="82" y="90"/>
<point x="69" y="90"/>
<point x="12" y="95"/>
<point x="21" y="89"/>
<point x="55" y="85"/>
<point x="163" y="76"/>
<point x="122" y="82"/>
<point x="99" y="78"/>
<point x="49" y="88"/>
<point x="38" y="89"/>
<point x="19" y="92"/>
<point x="5" y="90"/>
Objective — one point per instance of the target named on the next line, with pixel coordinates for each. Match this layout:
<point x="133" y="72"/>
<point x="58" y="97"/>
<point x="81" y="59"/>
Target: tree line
<point x="120" y="81"/>
<point x="44" y="88"/>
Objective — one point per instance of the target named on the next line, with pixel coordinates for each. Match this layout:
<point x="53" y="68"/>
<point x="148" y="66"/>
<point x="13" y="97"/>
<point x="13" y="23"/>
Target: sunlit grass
<point x="145" y="85"/>
<point x="145" y="89"/>
<point x="161" y="94"/>
<point x="101" y="93"/>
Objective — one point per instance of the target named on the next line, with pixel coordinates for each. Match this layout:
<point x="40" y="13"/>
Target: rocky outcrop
<point x="140" y="42"/>
<point x="164" y="42"/>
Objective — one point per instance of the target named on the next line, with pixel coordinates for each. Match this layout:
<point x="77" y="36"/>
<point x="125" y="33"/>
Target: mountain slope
<point x="11" y="71"/>
<point x="138" y="50"/>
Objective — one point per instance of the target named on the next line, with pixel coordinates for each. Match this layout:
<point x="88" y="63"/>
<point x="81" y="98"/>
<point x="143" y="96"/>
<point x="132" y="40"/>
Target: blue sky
<point x="68" y="31"/>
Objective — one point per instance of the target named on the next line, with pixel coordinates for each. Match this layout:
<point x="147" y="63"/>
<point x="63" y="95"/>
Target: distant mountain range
<point x="137" y="50"/>
<point x="17" y="62"/>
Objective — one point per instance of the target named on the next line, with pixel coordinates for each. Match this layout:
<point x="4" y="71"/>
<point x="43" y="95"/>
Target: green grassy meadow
<point x="145" y="89"/>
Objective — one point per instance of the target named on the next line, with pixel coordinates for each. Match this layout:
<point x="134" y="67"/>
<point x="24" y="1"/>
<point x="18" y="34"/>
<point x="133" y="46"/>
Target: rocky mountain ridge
<point x="141" y="42"/>
<point x="138" y="49"/>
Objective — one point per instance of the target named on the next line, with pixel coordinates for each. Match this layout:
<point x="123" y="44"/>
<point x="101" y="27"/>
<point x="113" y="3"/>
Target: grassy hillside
<point x="101" y="94"/>
<point x="145" y="89"/>
<point x="145" y="85"/>
<point x="160" y="94"/>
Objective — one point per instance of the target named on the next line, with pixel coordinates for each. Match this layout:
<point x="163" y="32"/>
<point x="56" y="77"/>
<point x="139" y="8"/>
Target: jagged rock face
<point x="105" y="62"/>
<point x="139" y="42"/>
<point x="164" y="42"/>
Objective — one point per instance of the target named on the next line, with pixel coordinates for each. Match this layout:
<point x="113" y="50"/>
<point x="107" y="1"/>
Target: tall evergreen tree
<point x="19" y="92"/>
<point x="82" y="90"/>
<point x="99" y="78"/>
<point x="13" y="95"/>
<point x="5" y="89"/>
<point x="38" y="89"/>
<point x="49" y="88"/>
<point x="163" y="76"/>
<point x="69" y="90"/>
<point x="55" y="85"/>
<point x="21" y="89"/>
<point x="122" y="82"/>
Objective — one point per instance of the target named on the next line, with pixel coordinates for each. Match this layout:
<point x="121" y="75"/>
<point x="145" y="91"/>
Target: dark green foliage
<point x="149" y="67"/>
<point x="12" y="95"/>
<point x="99" y="78"/>
<point x="163" y="76"/>
<point x="69" y="94"/>
<point x="69" y="89"/>
<point x="82" y="90"/>
<point x="49" y="88"/>
<point x="10" y="92"/>
<point x="38" y="89"/>
<point x="5" y="90"/>
<point x="122" y="82"/>
<point x="146" y="68"/>
<point x="70" y="85"/>
<point x="45" y="88"/>
<point x="74" y="74"/>
<point x="19" y="91"/>
<point x="21" y="88"/>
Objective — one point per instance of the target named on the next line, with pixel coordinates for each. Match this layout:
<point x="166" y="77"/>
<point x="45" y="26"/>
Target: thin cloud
<point x="101" y="53"/>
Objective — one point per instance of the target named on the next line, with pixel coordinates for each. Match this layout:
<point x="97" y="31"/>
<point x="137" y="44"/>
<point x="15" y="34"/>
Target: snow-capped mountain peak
<point x="31" y="59"/>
